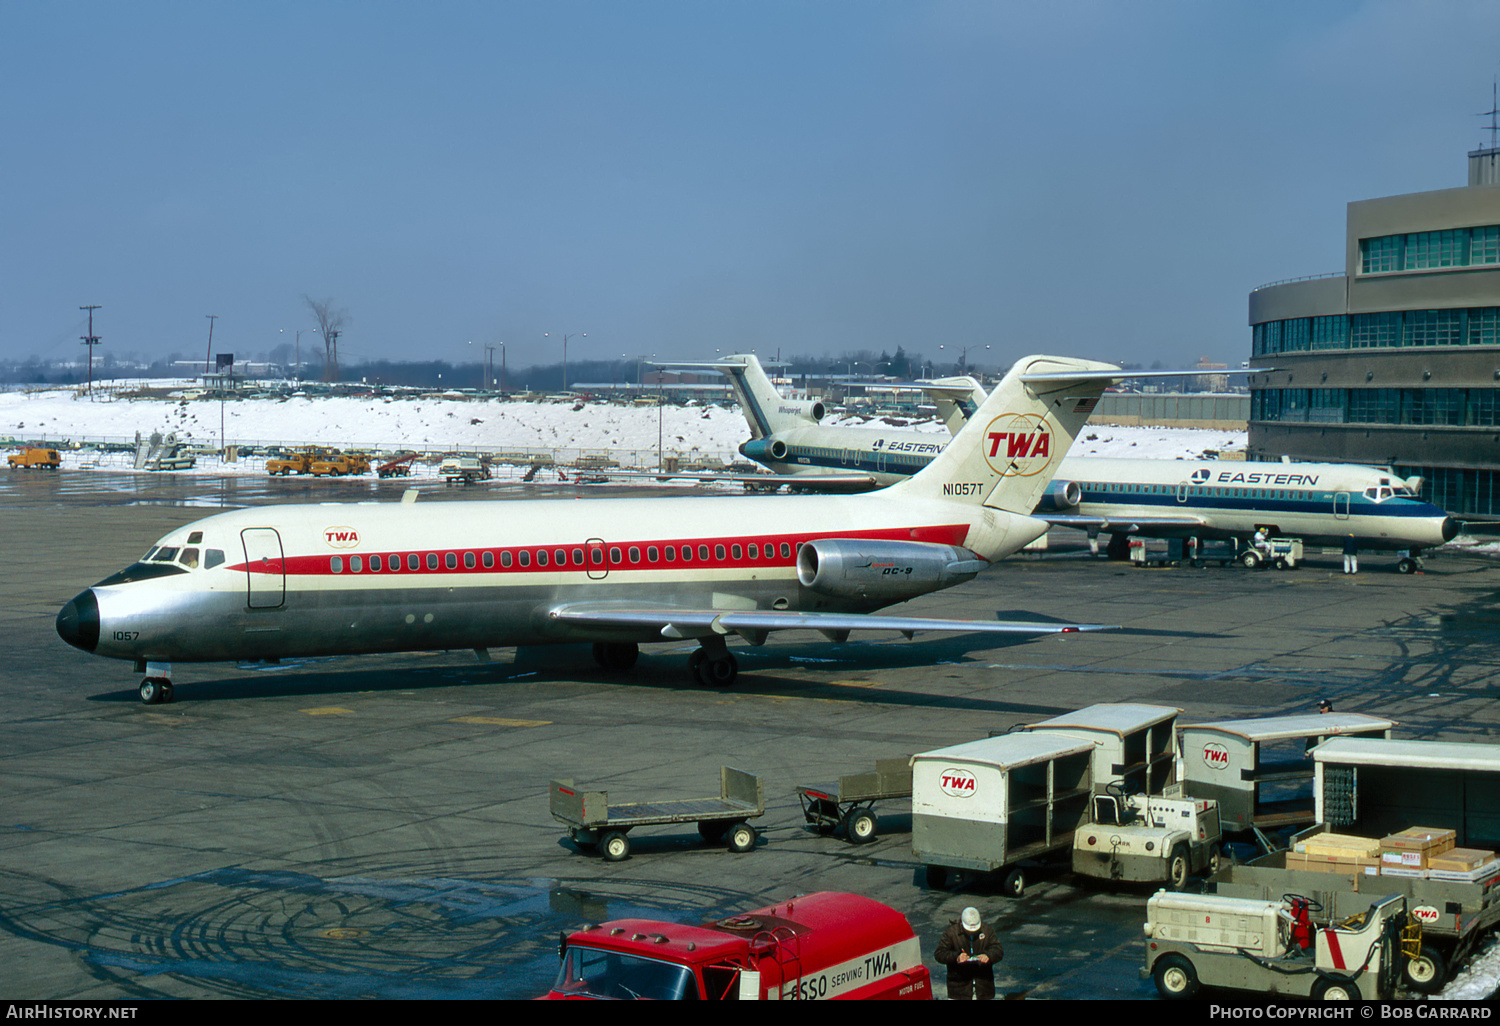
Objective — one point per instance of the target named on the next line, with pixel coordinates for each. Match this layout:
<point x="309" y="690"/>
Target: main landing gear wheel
<point x="1406" y="565"/>
<point x="156" y="690"/>
<point x="713" y="671"/>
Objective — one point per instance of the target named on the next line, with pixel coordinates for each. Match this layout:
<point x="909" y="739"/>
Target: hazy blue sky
<point x="1102" y="179"/>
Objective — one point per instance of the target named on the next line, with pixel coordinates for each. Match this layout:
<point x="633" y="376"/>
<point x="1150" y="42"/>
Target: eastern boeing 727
<point x="1320" y="503"/>
<point x="313" y="580"/>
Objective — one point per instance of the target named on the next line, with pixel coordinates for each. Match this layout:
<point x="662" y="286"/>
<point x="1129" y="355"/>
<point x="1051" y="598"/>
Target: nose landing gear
<point x="156" y="690"/>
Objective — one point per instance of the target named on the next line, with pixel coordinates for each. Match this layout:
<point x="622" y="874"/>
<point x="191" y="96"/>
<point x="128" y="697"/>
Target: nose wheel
<point x="156" y="691"/>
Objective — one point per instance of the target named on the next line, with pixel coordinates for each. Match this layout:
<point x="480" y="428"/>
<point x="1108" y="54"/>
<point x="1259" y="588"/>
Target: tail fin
<point x="764" y="407"/>
<point x="1006" y="454"/>
<point x="957" y="399"/>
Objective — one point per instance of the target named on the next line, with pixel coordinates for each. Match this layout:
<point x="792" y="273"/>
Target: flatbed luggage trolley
<point x="850" y="807"/>
<point x="594" y="823"/>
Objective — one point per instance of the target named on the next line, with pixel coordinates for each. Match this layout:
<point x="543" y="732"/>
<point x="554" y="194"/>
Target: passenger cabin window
<point x="468" y="560"/>
<point x="336" y="564"/>
<point x="505" y="559"/>
<point x="451" y="561"/>
<point x="356" y="564"/>
<point x="578" y="557"/>
<point x="414" y="562"/>
<point x="652" y="554"/>
<point x="375" y="564"/>
<point x="489" y="559"/>
<point x="703" y="553"/>
<point x="541" y="557"/>
<point x="523" y="557"/>
<point x="560" y="557"/>
<point x="432" y="562"/>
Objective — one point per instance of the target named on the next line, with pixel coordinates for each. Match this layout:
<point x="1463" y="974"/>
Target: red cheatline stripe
<point x="612" y="555"/>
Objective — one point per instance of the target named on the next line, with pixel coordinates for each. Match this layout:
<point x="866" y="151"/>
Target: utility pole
<point x="332" y="371"/>
<point x="91" y="340"/>
<point x="208" y="360"/>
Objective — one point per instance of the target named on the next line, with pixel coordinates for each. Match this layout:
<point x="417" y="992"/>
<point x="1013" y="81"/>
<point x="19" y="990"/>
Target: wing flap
<point x="754" y="624"/>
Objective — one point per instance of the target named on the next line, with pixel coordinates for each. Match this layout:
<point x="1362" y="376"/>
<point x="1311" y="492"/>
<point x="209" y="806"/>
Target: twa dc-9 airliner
<point x="287" y="581"/>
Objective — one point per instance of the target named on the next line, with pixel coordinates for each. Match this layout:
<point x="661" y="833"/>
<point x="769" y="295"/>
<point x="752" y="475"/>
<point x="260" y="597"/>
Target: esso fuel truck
<point x="814" y="947"/>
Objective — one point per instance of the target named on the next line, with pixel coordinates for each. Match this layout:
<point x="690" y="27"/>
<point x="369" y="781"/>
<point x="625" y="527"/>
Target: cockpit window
<point x="165" y="554"/>
<point x="196" y="538"/>
<point x="212" y="558"/>
<point x="189" y="558"/>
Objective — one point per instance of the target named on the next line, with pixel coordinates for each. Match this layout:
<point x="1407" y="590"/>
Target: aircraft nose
<point x="1450" y="529"/>
<point x="78" y="621"/>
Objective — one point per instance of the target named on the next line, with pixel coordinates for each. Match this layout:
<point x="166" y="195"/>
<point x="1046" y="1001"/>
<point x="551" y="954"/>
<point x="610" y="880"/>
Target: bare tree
<point x="330" y="323"/>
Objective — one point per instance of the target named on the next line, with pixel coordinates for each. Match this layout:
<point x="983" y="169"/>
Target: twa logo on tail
<point x="341" y="537"/>
<point x="1018" y="444"/>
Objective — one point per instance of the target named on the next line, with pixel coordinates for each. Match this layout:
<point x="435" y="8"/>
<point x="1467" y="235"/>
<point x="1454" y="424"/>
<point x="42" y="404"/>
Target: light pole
<point x="208" y="360"/>
<point x="581" y="334"/>
<point x="91" y="340"/>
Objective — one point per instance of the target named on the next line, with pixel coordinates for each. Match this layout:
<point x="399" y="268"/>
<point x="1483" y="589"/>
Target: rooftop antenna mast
<point x="1492" y="113"/>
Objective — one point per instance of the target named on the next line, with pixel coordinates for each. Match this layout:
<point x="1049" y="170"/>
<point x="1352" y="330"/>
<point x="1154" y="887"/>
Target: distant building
<point x="1396" y="361"/>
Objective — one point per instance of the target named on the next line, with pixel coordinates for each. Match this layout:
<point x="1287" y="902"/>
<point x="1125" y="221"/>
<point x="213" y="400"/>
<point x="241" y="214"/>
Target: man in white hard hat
<point x="970" y="950"/>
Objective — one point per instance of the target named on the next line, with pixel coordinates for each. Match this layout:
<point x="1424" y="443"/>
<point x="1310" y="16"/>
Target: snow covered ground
<point x="630" y="434"/>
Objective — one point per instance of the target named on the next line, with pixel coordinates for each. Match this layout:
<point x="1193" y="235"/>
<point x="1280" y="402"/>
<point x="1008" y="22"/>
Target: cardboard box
<point x="1460" y="860"/>
<point x="1425" y="839"/>
<point x="1414" y="847"/>
<point x="1339" y="846"/>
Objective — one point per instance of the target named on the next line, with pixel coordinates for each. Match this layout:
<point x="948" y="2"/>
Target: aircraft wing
<point x="754" y="624"/>
<point x="1129" y="524"/>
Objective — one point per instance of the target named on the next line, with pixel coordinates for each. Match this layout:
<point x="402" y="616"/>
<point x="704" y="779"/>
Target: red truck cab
<point x="814" y="947"/>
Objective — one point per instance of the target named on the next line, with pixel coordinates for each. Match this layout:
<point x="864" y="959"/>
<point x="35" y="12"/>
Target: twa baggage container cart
<point x="1259" y="770"/>
<point x="1136" y="745"/>
<point x="816" y="947"/>
<point x="988" y="804"/>
<point x="594" y="823"/>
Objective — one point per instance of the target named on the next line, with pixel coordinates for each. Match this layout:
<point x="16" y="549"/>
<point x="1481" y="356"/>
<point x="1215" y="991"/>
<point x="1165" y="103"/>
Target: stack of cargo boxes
<point x="1419" y="852"/>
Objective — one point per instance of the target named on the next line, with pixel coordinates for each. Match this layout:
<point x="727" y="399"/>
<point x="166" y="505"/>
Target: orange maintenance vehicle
<point x="815" y="947"/>
<point x="35" y="459"/>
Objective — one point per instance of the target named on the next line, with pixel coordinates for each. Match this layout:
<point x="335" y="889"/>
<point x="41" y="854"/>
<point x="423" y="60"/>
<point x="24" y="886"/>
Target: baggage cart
<point x="849" y="808"/>
<point x="594" y="823"/>
<point x="1259" y="771"/>
<point x="989" y="804"/>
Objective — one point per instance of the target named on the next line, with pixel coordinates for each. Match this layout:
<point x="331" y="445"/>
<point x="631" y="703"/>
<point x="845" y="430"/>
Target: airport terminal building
<point x="1396" y="361"/>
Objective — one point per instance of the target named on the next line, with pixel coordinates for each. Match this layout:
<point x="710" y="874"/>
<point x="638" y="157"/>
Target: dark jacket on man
<point x="969" y="980"/>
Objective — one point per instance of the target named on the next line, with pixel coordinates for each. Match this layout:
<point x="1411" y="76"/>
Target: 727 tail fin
<point x="1006" y="454"/>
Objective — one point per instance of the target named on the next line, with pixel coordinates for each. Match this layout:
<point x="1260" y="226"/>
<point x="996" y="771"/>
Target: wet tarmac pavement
<point x="378" y="826"/>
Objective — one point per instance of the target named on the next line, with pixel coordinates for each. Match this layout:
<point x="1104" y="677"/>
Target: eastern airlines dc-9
<point x="276" y="582"/>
